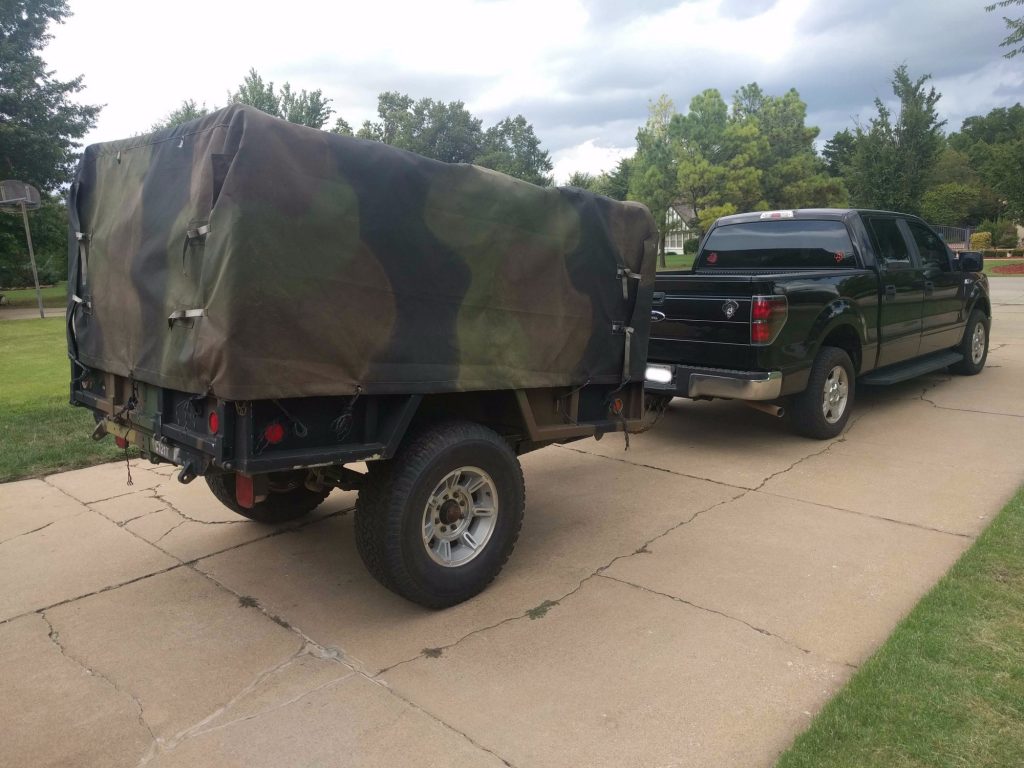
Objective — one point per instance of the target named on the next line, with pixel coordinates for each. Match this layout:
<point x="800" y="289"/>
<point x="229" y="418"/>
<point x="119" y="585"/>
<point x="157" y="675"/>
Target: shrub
<point x="1004" y="232"/>
<point x="690" y="244"/>
<point x="981" y="241"/>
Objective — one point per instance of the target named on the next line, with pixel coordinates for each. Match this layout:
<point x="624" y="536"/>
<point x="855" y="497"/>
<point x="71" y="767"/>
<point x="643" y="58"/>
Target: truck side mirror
<point x="971" y="261"/>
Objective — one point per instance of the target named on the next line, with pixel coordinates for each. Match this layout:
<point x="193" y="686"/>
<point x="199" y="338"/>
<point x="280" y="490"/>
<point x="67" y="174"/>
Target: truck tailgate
<point x="704" y="319"/>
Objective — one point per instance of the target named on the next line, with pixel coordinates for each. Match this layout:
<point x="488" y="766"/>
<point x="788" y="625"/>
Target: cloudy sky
<point x="582" y="71"/>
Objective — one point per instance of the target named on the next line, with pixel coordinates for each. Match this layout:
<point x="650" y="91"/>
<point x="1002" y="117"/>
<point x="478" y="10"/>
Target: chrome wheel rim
<point x="836" y="394"/>
<point x="978" y="343"/>
<point x="460" y="516"/>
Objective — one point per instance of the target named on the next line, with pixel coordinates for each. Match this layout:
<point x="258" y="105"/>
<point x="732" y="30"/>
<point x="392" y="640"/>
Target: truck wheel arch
<point x="845" y="337"/>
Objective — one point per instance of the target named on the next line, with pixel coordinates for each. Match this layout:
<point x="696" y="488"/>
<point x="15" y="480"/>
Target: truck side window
<point x="934" y="254"/>
<point x="889" y="244"/>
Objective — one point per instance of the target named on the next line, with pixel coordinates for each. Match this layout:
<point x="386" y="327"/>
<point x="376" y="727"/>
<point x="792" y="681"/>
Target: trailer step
<point x="893" y="374"/>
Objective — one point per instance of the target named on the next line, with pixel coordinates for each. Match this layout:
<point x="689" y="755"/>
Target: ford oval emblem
<point x="729" y="309"/>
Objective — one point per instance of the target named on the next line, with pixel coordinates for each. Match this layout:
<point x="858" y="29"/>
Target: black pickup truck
<point x="795" y="307"/>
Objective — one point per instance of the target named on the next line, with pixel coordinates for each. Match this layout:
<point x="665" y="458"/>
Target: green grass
<point x="947" y="688"/>
<point x="39" y="432"/>
<point x="678" y="261"/>
<point x="991" y="263"/>
<point x="53" y="296"/>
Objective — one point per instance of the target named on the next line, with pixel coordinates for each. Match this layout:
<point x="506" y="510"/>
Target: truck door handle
<point x="929" y="287"/>
<point x="890" y="291"/>
<point x="656" y="316"/>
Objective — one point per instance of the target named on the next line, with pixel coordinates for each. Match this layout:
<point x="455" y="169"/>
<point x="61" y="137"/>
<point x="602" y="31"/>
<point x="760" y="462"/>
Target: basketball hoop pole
<point x="32" y="258"/>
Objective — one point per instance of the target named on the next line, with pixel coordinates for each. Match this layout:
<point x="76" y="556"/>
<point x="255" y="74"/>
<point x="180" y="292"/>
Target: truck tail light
<point x="767" y="316"/>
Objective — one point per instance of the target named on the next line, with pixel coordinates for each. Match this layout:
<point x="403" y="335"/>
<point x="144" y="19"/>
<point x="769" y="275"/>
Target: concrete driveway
<point x="691" y="602"/>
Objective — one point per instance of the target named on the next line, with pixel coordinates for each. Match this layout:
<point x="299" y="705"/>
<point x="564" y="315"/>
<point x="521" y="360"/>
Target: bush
<point x="981" y="241"/>
<point x="690" y="244"/>
<point x="1004" y="232"/>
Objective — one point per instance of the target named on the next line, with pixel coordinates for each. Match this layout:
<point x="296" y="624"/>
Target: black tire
<point x="971" y="365"/>
<point x="807" y="411"/>
<point x="390" y="513"/>
<point x="288" y="499"/>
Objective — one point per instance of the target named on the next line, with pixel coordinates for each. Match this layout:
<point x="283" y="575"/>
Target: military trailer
<point x="284" y="311"/>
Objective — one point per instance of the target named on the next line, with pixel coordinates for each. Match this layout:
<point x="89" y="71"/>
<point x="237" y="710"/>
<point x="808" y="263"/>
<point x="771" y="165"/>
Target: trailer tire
<point x="437" y="523"/>
<point x="292" y="501"/>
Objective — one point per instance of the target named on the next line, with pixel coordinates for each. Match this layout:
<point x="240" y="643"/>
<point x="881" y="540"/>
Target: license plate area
<point x="171" y="453"/>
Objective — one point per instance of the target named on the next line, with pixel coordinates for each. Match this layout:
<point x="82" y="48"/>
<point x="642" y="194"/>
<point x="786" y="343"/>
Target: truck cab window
<point x="934" y="253"/>
<point x="890" y="247"/>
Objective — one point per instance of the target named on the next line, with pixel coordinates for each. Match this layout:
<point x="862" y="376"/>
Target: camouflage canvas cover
<point x="246" y="257"/>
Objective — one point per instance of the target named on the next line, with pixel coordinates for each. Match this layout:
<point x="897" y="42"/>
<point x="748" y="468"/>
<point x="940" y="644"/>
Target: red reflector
<point x="617" y="406"/>
<point x="245" y="493"/>
<point x="214" y="423"/>
<point x="121" y="442"/>
<point x="274" y="433"/>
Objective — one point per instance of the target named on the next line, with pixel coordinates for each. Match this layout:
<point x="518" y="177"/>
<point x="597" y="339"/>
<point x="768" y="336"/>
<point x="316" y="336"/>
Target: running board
<point x="893" y="374"/>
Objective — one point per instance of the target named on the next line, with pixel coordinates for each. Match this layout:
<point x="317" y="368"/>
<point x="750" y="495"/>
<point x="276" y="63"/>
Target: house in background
<point x="680" y="227"/>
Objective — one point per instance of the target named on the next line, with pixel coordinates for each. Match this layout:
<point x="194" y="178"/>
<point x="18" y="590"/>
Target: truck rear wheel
<point x="823" y="408"/>
<point x="437" y="523"/>
<point x="288" y="498"/>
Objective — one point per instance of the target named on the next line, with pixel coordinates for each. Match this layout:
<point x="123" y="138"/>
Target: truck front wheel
<point x="288" y="498"/>
<point x="437" y="523"/>
<point x="823" y="408"/>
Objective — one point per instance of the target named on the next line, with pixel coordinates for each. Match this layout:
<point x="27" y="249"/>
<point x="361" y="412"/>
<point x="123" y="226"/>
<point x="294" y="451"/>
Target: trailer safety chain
<point x="562" y="400"/>
<point x="128" y="407"/>
<point x="343" y="424"/>
<point x="298" y="427"/>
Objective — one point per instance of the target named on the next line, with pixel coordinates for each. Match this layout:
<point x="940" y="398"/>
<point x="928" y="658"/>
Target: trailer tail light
<point x="767" y="316"/>
<point x="213" y="422"/>
<point x="274" y="433"/>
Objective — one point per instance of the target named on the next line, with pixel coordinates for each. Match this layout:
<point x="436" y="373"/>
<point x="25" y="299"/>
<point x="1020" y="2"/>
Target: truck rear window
<point x="773" y="244"/>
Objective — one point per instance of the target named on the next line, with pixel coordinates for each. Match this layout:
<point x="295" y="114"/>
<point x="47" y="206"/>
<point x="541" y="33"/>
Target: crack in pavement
<point x="35" y="530"/>
<point x="970" y="537"/>
<point x="530" y="613"/>
<point x="651" y="466"/>
<point x="760" y="630"/>
<point x="54" y="636"/>
<point x="832" y="444"/>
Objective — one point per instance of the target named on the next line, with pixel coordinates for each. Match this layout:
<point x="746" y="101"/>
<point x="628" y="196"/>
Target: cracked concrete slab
<point x="705" y="439"/>
<point x="54" y="712"/>
<point x="835" y="583"/>
<point x="178" y="643"/>
<point x="582" y="513"/>
<point x="73" y="556"/>
<point x="932" y="493"/>
<point x="615" y="676"/>
<point x="122" y="509"/>
<point x="104" y="481"/>
<point x="350" y="722"/>
<point x="28" y="505"/>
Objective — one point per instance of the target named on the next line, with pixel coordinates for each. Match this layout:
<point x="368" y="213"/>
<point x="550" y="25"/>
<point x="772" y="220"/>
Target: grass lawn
<point x="1012" y="267"/>
<point x="947" y="688"/>
<point x="678" y="261"/>
<point x="53" y="296"/>
<point x="39" y="432"/>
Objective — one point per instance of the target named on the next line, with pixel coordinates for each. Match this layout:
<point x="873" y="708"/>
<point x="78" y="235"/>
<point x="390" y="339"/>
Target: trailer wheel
<point x="823" y="408"/>
<point x="288" y="499"/>
<point x="437" y="523"/>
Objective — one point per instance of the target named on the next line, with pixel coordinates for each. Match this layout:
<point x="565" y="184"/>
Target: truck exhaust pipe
<point x="772" y="410"/>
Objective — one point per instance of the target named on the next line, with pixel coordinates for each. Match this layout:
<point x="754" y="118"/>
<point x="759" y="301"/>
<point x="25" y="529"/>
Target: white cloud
<point x="588" y="157"/>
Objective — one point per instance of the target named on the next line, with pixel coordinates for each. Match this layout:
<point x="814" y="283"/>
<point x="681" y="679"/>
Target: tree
<point x="40" y="126"/>
<point x="838" y="151"/>
<point x="310" y="109"/>
<point x="1015" y="39"/>
<point x="652" y="178"/>
<point x="582" y="180"/>
<point x="40" y="131"/>
<point x="994" y="143"/>
<point x="615" y="183"/>
<point x="892" y="160"/>
<point x="949" y="204"/>
<point x="446" y="132"/>
<point x="512" y="147"/>
<point x="256" y="93"/>
<point x="342" y="127"/>
<point x="188" y="110"/>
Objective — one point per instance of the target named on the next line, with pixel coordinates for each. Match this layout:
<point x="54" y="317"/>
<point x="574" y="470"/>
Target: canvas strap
<point x="184" y="314"/>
